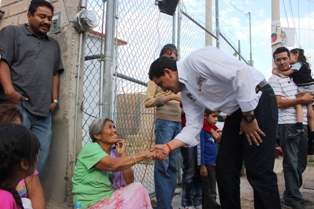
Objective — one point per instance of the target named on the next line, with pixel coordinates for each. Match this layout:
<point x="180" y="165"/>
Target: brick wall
<point x="16" y="11"/>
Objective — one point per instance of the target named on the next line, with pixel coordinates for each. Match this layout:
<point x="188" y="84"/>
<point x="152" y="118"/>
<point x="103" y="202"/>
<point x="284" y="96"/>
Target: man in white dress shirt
<point x="208" y="78"/>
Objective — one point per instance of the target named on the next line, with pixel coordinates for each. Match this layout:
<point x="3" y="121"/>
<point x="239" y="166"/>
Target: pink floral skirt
<point x="133" y="196"/>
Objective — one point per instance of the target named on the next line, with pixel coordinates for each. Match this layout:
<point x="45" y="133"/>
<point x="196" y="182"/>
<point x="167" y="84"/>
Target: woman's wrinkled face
<point x="109" y="133"/>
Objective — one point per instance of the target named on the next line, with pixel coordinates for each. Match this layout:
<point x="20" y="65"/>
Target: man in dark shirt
<point x="29" y="72"/>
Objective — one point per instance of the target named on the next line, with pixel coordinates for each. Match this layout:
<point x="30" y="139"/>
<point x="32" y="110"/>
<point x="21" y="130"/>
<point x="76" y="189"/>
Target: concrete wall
<point x="56" y="176"/>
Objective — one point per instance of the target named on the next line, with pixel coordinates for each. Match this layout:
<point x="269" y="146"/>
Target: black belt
<point x="259" y="87"/>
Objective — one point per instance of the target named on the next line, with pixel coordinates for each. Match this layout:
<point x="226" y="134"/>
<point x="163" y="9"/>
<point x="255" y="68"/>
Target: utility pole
<point x="208" y="22"/>
<point x="251" y="59"/>
<point x="275" y="17"/>
<point x="217" y="23"/>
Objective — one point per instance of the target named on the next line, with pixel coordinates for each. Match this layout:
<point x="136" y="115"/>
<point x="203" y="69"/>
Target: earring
<point x="26" y="167"/>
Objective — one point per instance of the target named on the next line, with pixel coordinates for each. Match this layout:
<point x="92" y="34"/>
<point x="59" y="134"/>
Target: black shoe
<point x="305" y="201"/>
<point x="298" y="132"/>
<point x="295" y="205"/>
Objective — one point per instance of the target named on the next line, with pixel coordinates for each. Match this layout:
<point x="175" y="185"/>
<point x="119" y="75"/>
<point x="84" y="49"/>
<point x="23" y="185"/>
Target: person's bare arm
<point x="215" y="134"/>
<point x="35" y="192"/>
<point x="128" y="174"/>
<point x="55" y="92"/>
<point x="306" y="98"/>
<point x="122" y="163"/>
<point x="276" y="72"/>
<point x="12" y="96"/>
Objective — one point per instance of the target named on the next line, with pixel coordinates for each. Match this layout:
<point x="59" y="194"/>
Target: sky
<point x="234" y="24"/>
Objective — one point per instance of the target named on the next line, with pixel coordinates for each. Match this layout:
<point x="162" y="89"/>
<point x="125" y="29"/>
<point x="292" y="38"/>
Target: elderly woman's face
<point x="109" y="133"/>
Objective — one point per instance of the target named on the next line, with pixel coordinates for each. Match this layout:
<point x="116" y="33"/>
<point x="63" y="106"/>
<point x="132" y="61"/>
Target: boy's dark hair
<point x="208" y="112"/>
<point x="301" y="57"/>
<point x="167" y="48"/>
<point x="280" y="50"/>
<point x="157" y="67"/>
<point x="39" y="3"/>
<point x="17" y="143"/>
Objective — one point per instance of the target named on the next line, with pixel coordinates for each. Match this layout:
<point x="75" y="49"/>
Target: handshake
<point x="161" y="151"/>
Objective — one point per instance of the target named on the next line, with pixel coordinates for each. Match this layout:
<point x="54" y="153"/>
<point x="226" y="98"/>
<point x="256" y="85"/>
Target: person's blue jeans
<point x="165" y="172"/>
<point x="259" y="160"/>
<point x="41" y="127"/>
<point x="294" y="161"/>
<point x="191" y="180"/>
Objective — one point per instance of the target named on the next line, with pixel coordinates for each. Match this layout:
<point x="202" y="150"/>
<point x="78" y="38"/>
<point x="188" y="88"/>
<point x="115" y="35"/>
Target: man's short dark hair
<point x="39" y="3"/>
<point x="280" y="50"/>
<point x="157" y="67"/>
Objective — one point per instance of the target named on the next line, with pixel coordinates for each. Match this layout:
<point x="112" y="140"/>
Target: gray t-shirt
<point x="33" y="62"/>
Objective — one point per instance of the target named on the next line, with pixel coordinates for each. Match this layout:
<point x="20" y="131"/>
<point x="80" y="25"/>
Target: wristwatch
<point x="248" y="117"/>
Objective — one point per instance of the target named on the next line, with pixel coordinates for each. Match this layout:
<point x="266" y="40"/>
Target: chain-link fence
<point x="140" y="32"/>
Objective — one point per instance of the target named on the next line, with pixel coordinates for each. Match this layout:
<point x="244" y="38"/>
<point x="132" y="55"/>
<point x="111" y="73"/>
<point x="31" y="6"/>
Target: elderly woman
<point x="93" y="174"/>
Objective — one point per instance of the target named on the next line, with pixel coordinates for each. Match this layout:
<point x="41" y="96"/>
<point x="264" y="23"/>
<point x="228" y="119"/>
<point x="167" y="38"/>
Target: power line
<point x="284" y="6"/>
<point x="236" y="7"/>
<point x="293" y="21"/>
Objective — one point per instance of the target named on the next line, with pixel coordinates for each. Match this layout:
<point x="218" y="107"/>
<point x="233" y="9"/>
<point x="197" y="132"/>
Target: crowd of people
<point x="188" y="97"/>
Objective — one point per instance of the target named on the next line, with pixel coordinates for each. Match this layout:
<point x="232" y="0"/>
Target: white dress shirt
<point x="216" y="81"/>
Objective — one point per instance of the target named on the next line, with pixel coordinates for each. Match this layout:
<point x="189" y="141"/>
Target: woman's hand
<point x="149" y="155"/>
<point x="120" y="147"/>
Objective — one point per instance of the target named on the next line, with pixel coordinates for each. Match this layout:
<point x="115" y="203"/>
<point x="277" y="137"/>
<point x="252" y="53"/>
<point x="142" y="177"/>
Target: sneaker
<point x="189" y="207"/>
<point x="295" y="205"/>
<point x="298" y="132"/>
<point x="198" y="207"/>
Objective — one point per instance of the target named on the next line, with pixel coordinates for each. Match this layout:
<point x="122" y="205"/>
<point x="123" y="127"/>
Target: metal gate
<point x="139" y="32"/>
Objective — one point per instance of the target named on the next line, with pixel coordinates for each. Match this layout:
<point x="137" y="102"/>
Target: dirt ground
<point x="307" y="189"/>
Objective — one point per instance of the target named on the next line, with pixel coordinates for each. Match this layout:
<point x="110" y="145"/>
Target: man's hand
<point x="306" y="97"/>
<point x="161" y="151"/>
<point x="53" y="106"/>
<point x="14" y="97"/>
<point x="252" y="132"/>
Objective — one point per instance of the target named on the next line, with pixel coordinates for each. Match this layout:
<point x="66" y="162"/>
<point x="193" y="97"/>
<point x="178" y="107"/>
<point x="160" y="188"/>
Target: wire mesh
<point x="140" y="33"/>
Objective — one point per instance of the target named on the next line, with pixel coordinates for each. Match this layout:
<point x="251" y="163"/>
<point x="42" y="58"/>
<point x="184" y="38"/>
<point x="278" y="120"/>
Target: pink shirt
<point x="7" y="200"/>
